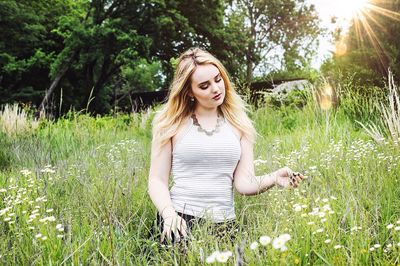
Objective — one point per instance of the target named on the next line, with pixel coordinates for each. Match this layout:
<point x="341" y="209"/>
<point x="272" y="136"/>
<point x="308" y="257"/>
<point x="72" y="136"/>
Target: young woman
<point x="205" y="138"/>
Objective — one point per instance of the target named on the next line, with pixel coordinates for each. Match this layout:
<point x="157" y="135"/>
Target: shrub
<point x="14" y="120"/>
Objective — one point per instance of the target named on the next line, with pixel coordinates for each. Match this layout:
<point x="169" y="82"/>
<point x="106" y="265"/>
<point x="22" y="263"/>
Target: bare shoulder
<point x="238" y="133"/>
<point x="181" y="130"/>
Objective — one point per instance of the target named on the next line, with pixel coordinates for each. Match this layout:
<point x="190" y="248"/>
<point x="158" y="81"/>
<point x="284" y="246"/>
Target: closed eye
<point x="204" y="85"/>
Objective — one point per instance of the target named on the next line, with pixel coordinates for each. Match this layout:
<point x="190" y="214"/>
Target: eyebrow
<point x="205" y="82"/>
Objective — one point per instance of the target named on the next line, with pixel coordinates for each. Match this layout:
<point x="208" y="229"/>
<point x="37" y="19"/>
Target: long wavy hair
<point x="179" y="106"/>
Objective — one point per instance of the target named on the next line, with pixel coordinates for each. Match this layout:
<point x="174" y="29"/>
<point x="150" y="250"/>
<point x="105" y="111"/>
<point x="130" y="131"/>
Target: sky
<point x="326" y="10"/>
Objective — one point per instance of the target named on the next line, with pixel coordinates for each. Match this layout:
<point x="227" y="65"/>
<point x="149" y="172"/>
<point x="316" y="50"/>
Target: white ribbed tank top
<point x="202" y="170"/>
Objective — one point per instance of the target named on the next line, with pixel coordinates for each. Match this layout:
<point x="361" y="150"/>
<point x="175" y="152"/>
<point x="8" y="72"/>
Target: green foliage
<point x="6" y="155"/>
<point x="372" y="46"/>
<point x="263" y="26"/>
<point x="28" y="46"/>
<point x="96" y="190"/>
<point x="359" y="103"/>
<point x="143" y="76"/>
<point x="293" y="99"/>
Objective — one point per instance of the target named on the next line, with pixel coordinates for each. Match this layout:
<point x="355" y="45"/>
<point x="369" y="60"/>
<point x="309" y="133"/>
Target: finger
<point x="169" y="235"/>
<point x="301" y="176"/>
<point x="298" y="179"/>
<point x="162" y="236"/>
<point x="176" y="234"/>
<point x="289" y="171"/>
<point x="184" y="229"/>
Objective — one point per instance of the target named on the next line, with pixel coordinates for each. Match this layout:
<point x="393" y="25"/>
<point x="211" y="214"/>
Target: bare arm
<point x="160" y="168"/>
<point x="247" y="183"/>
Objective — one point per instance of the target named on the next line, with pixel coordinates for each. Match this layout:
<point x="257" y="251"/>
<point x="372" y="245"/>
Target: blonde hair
<point x="179" y="107"/>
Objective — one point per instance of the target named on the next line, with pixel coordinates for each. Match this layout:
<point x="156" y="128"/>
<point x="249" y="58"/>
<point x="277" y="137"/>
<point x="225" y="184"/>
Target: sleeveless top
<point x="202" y="170"/>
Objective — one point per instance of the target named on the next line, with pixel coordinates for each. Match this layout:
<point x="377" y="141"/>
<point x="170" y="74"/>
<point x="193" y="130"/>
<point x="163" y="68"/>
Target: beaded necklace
<point x="220" y="121"/>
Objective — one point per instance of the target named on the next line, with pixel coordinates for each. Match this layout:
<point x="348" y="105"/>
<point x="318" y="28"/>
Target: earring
<point x="192" y="99"/>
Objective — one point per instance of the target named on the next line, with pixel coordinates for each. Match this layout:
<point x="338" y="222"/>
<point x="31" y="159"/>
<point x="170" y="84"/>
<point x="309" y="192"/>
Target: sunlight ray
<point x="359" y="35"/>
<point x="383" y="11"/>
<point x="373" y="19"/>
<point x="375" y="43"/>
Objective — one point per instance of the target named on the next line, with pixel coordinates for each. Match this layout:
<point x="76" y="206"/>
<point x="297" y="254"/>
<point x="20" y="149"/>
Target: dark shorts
<point x="222" y="230"/>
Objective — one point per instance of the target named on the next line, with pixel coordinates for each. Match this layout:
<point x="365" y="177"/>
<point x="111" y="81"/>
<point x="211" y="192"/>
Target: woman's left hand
<point x="285" y="177"/>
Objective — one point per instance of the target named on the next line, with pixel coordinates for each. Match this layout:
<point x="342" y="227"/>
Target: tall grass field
<point x="74" y="191"/>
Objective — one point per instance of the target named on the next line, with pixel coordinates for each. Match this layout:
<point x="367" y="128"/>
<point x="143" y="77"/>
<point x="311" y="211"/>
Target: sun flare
<point x="349" y="9"/>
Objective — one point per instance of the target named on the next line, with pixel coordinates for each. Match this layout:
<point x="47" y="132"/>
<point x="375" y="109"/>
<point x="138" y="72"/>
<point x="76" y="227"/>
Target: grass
<point x="88" y="176"/>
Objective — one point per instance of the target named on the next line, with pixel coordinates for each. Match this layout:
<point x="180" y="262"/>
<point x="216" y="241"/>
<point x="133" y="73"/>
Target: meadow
<point x="74" y="191"/>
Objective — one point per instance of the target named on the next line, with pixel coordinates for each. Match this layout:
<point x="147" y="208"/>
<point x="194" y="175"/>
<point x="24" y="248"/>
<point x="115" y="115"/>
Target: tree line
<point x="63" y="54"/>
<point x="82" y="54"/>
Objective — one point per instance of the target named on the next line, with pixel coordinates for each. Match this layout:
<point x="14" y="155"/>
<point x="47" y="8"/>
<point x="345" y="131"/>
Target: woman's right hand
<point x="174" y="224"/>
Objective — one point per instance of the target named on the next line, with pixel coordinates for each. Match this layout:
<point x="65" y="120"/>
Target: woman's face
<point x="208" y="87"/>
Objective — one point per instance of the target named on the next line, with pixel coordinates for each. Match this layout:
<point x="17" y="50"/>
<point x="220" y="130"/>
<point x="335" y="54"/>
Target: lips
<point x="216" y="97"/>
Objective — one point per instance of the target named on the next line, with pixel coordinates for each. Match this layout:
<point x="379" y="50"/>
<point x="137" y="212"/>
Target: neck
<point x="203" y="112"/>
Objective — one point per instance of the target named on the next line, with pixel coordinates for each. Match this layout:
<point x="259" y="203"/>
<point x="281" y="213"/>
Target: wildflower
<point x="377" y="246"/>
<point x="254" y="245"/>
<point x="60" y="236"/>
<point x="397" y="228"/>
<point x="212" y="257"/>
<point x="337" y="246"/>
<point x="327" y="241"/>
<point x="371" y="249"/>
<point x="325" y="200"/>
<point x="44" y="238"/>
<point x="7" y="219"/>
<point x="323" y="220"/>
<point x="223" y="256"/>
<point x="47" y="170"/>
<point x="25" y="172"/>
<point x="333" y="197"/>
<point x="320" y="230"/>
<point x="60" y="227"/>
<point x="285" y="237"/>
<point x="280" y="241"/>
<point x="3" y="190"/>
<point x="297" y="208"/>
<point x="389" y="226"/>
<point x="38" y="235"/>
<point x="49" y="210"/>
<point x="398" y="222"/>
<point x="265" y="240"/>
<point x="311" y="223"/>
<point x="326" y="207"/>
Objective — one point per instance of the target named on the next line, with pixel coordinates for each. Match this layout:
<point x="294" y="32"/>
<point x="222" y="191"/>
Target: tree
<point x="28" y="45"/>
<point x="264" y="27"/>
<point x="116" y="37"/>
<point x="372" y="45"/>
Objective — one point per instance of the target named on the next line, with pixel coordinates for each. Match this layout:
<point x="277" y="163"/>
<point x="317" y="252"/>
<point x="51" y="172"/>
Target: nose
<point x="215" y="88"/>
